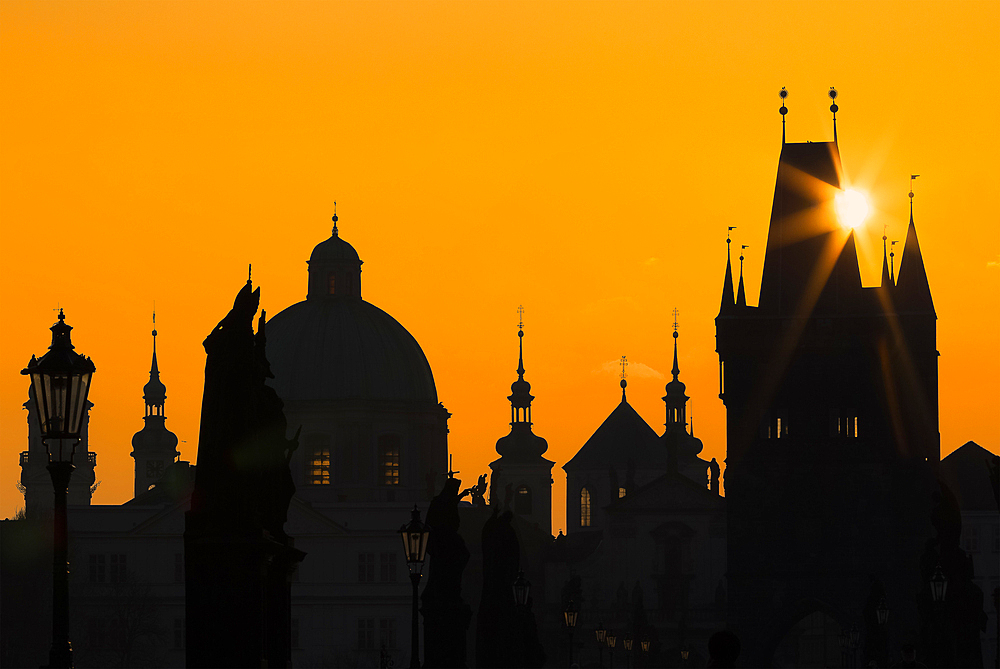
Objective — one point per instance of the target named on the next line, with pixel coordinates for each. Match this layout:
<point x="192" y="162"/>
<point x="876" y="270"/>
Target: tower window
<point x="318" y="467"/>
<point x="584" y="508"/>
<point x="621" y="492"/>
<point x="844" y="424"/>
<point x="388" y="459"/>
<point x="331" y="283"/>
<point x="522" y="501"/>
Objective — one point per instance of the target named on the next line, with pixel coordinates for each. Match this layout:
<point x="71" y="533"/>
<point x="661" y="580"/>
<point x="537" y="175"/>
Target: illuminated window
<point x="331" y="283"/>
<point x="621" y="492"/>
<point x="522" y="501"/>
<point x="318" y="466"/>
<point x="388" y="459"/>
<point x="584" y="508"/>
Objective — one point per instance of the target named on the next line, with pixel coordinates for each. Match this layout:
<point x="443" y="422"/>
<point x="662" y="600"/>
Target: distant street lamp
<point x="853" y="639"/>
<point x="685" y="653"/>
<point x="414" y="535"/>
<point x="882" y="611"/>
<point x="521" y="588"/>
<point x="645" y="645"/>
<point x="601" y="635"/>
<point x="60" y="383"/>
<point x="611" y="644"/>
<point x="570" y="614"/>
<point x="939" y="584"/>
<point x="627" y="642"/>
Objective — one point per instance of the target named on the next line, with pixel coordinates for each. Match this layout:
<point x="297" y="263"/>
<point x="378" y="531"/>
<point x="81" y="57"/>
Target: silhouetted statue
<point x="446" y="616"/>
<point x="477" y="491"/>
<point x="713" y="482"/>
<point x="238" y="558"/>
<point x="723" y="649"/>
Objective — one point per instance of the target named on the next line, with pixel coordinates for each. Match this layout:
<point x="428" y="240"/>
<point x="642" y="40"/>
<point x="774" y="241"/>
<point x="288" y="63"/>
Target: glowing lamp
<point x="645" y="645"/>
<point x="600" y="633"/>
<point x="627" y="641"/>
<point x="414" y="535"/>
<point x="611" y="638"/>
<point x="571" y="613"/>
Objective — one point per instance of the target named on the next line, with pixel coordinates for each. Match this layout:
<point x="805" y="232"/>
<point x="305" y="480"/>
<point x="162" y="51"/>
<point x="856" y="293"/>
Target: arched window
<point x="584" y="508"/>
<point x="388" y="459"/>
<point x="522" y="500"/>
<point x="318" y="464"/>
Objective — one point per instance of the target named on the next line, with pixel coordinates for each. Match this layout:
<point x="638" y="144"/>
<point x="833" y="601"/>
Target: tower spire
<point x="912" y="177"/>
<point x="676" y="370"/>
<point x="520" y="391"/>
<point x="335" y="219"/>
<point x="727" y="287"/>
<point x="892" y="260"/>
<point x="783" y="110"/>
<point x="886" y="272"/>
<point x="834" y="108"/>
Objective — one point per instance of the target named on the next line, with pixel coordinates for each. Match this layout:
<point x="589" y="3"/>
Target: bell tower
<point x="154" y="447"/>
<point x="521" y="465"/>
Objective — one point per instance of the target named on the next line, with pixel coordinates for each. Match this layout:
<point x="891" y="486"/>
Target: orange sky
<point x="581" y="159"/>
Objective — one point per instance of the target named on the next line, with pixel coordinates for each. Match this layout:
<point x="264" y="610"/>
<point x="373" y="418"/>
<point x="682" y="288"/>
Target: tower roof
<point x="154" y="392"/>
<point x="623" y="436"/>
<point x="913" y="290"/>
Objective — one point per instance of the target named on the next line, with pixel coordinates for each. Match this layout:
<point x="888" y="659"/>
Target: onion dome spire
<point x="675" y="398"/>
<point x="154" y="392"/>
<point x="521" y="443"/>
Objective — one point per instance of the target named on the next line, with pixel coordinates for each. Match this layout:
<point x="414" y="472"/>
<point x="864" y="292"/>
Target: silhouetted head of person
<point x="723" y="649"/>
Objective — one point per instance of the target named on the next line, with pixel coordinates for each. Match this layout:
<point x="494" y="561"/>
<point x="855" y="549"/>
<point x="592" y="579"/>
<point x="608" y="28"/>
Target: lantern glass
<point x="570" y="614"/>
<point x="415" y="535"/>
<point x="521" y="587"/>
<point x="627" y="641"/>
<point x="645" y="645"/>
<point x="882" y="612"/>
<point x="600" y="633"/>
<point x="611" y="640"/>
<point x="939" y="584"/>
<point x="685" y="653"/>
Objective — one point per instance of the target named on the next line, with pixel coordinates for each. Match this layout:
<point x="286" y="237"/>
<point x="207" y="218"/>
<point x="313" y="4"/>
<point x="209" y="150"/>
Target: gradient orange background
<point x="581" y="159"/>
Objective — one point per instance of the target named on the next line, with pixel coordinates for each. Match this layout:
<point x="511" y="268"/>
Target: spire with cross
<point x="335" y="219"/>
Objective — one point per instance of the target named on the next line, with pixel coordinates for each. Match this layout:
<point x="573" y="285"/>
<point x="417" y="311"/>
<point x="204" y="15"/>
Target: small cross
<point x="520" y="317"/>
<point x="676" y="314"/>
<point x="624" y="364"/>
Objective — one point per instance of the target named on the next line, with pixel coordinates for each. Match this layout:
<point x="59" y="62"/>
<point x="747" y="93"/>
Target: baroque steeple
<point x="521" y="443"/>
<point x="154" y="447"/>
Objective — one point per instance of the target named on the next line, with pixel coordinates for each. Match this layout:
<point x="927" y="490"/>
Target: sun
<point x="852" y="208"/>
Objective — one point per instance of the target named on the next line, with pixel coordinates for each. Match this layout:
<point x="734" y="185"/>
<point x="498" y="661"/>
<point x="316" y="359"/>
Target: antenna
<point x="783" y="110"/>
<point x="834" y="108"/>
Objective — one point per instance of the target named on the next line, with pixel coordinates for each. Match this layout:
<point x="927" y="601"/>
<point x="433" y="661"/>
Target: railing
<point x="91" y="458"/>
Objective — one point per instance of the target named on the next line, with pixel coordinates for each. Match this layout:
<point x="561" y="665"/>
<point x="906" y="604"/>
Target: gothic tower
<point x="521" y="465"/>
<point x="154" y="447"/>
<point x="830" y="391"/>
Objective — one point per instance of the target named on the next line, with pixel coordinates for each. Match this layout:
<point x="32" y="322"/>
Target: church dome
<point x="334" y="249"/>
<point x="339" y="348"/>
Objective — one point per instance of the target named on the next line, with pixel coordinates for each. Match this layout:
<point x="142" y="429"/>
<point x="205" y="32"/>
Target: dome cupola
<point x="334" y="268"/>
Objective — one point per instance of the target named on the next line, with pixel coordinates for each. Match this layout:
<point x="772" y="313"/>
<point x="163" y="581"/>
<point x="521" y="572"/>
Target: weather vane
<point x="912" y="177"/>
<point x="783" y="110"/>
<point x="624" y="363"/>
<point x="742" y="248"/>
<point x="834" y="108"/>
<point x="892" y="259"/>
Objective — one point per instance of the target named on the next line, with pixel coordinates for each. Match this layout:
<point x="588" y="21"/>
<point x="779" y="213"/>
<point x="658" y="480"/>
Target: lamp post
<point x="611" y="645"/>
<point x="644" y="644"/>
<point x="939" y="584"/>
<point x="685" y="654"/>
<point x="570" y="615"/>
<point x="60" y="383"/>
<point x="627" y="642"/>
<point x="601" y="634"/>
<point x="854" y="637"/>
<point x="414" y="535"/>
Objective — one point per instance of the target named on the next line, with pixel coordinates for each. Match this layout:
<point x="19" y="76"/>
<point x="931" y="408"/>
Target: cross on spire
<point x="676" y="314"/>
<point x="624" y="364"/>
<point x="335" y="219"/>
<point x="520" y="317"/>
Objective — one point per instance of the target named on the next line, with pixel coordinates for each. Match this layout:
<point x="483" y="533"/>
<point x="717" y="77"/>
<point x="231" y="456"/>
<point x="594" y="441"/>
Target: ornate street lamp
<point x="645" y="645"/>
<point x="521" y="587"/>
<point x="60" y="383"/>
<point x="627" y="642"/>
<point x="939" y="584"/>
<point x="882" y="611"/>
<point x="685" y="653"/>
<point x="611" y="639"/>
<point x="601" y="635"/>
<point x="570" y="615"/>
<point x="414" y="535"/>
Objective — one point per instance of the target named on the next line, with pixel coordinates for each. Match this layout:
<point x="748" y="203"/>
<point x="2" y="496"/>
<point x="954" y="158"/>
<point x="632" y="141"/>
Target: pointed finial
<point x="676" y="370"/>
<point x="154" y="326"/>
<point x="834" y="108"/>
<point x="335" y="219"/>
<point x="912" y="177"/>
<point x="624" y="363"/>
<point x="249" y="271"/>
<point x="520" y="317"/>
<point x="892" y="259"/>
<point x="520" y="342"/>
<point x="783" y="110"/>
<point x="743" y="247"/>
